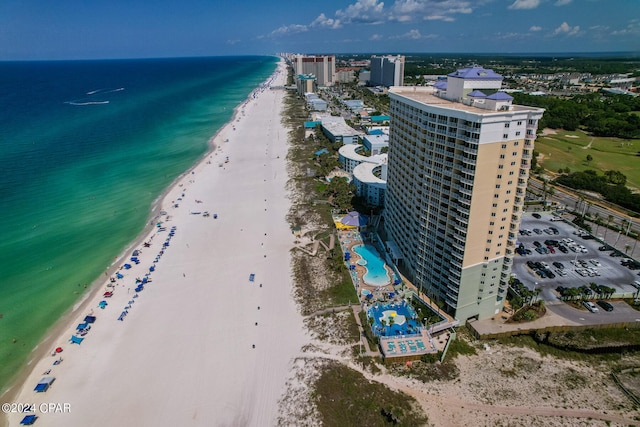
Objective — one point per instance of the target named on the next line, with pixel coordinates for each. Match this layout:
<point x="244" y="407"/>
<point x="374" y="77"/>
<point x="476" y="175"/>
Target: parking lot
<point x="553" y="253"/>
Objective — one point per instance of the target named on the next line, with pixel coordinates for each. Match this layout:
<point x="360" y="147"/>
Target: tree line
<point x="611" y="186"/>
<point x="597" y="113"/>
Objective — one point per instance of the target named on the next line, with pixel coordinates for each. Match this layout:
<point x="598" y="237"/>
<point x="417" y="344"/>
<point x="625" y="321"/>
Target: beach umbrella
<point x="354" y="219"/>
<point x="59" y="350"/>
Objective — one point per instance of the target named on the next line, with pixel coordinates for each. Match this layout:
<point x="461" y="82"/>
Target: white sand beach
<point x="183" y="355"/>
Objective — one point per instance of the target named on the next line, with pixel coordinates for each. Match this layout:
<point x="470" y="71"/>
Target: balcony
<point x="464" y="190"/>
<point x="467" y="181"/>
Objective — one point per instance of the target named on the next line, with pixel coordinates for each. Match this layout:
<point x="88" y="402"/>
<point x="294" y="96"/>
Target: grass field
<point x="570" y="149"/>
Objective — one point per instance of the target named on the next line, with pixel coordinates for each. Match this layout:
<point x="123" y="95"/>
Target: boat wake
<point x="93" y="92"/>
<point x="80" y="102"/>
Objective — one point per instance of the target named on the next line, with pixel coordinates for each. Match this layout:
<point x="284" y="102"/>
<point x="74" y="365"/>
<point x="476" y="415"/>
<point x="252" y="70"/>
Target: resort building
<point x="321" y="66"/>
<point x="364" y="77"/>
<point x="370" y="180"/>
<point x="349" y="156"/>
<point x="369" y="172"/>
<point x="314" y="102"/>
<point x="354" y="105"/>
<point x="337" y="130"/>
<point x="305" y="83"/>
<point x="459" y="159"/>
<point x="374" y="143"/>
<point x="387" y="71"/>
<point x="346" y="74"/>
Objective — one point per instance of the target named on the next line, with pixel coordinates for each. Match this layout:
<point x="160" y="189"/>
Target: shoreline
<point x="62" y="323"/>
<point x="57" y="332"/>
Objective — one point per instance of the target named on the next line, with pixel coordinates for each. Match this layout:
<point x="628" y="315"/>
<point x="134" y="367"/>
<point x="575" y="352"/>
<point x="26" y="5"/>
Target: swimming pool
<point x="376" y="274"/>
<point x="394" y="319"/>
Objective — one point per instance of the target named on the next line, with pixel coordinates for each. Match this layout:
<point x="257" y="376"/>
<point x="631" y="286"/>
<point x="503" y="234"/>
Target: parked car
<point x="537" y="231"/>
<point x="558" y="264"/>
<point x="536" y="215"/>
<point x="590" y="306"/>
<point x="555" y="218"/>
<point x="605" y="305"/>
<point x="605" y="248"/>
<point x="550" y="248"/>
<point x="563" y="249"/>
<point x="537" y="244"/>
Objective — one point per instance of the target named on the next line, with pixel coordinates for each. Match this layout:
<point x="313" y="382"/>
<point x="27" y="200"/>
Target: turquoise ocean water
<point x="85" y="149"/>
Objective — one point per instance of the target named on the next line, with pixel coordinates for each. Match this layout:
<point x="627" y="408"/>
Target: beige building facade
<point x="459" y="160"/>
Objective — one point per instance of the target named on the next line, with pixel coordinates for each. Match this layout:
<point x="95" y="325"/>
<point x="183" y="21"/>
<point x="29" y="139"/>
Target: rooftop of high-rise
<point x="430" y="96"/>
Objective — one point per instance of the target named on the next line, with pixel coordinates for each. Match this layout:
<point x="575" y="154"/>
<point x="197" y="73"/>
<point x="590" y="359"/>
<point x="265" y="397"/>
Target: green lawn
<point x="569" y="149"/>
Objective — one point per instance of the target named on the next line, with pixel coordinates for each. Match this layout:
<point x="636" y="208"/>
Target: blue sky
<point x="78" y="29"/>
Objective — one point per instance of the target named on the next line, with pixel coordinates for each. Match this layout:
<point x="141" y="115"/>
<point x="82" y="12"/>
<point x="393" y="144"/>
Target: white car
<point x="590" y="306"/>
<point x="595" y="262"/>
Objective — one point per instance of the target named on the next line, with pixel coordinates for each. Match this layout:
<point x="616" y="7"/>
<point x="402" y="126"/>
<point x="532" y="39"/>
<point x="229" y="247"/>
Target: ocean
<point x="86" y="147"/>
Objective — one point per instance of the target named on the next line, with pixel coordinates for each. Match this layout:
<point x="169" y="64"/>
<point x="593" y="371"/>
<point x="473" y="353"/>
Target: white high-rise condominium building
<point x="459" y="159"/>
<point x="387" y="71"/>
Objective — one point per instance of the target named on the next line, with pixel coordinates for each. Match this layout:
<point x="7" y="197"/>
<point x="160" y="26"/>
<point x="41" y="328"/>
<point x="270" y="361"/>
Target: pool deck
<point x="348" y="239"/>
<point x="408" y="347"/>
<point x="399" y="348"/>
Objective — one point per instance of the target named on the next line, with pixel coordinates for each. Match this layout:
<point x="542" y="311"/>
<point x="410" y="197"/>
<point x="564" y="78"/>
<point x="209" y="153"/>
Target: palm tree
<point x="609" y="219"/>
<point x="597" y="221"/>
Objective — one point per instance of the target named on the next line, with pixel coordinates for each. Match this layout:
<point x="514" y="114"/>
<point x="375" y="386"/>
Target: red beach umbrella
<point x="59" y="350"/>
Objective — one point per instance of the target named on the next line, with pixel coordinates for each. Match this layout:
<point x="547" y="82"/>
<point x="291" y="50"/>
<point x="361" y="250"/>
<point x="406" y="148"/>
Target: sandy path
<point x="183" y="355"/>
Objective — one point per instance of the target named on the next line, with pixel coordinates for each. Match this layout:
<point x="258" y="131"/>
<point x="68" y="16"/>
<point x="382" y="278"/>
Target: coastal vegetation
<point x="344" y="397"/>
<point x="320" y="281"/>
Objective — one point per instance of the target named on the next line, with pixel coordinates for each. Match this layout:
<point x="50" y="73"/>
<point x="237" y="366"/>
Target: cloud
<point x="563" y="2"/>
<point x="430" y="10"/>
<point x="567" y="29"/>
<point x="439" y="18"/>
<point x="525" y="4"/>
<point x="289" y="29"/>
<point x="414" y="35"/>
<point x="232" y="42"/>
<point x="375" y="37"/>
<point x="535" y="28"/>
<point x="363" y="12"/>
<point x="632" y="28"/>
<point x="323" y="22"/>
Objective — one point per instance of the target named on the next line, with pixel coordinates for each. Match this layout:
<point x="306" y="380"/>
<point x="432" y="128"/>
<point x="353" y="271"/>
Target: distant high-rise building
<point x="459" y="159"/>
<point x="387" y="71"/>
<point x="323" y="67"/>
